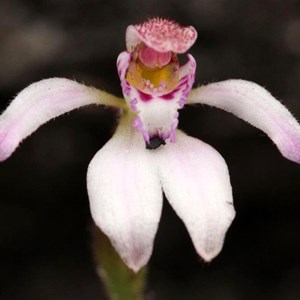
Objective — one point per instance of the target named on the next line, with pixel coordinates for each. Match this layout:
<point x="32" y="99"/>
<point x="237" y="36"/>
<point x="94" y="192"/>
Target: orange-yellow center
<point x="151" y="71"/>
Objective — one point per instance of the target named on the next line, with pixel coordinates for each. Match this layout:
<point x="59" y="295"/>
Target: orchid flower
<point x="148" y="155"/>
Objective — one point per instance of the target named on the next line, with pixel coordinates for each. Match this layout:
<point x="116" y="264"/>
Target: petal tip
<point x="208" y="256"/>
<point x="289" y="146"/>
<point x="135" y="267"/>
<point x="135" y="259"/>
<point x="3" y="157"/>
<point x="292" y="156"/>
<point x="7" y="147"/>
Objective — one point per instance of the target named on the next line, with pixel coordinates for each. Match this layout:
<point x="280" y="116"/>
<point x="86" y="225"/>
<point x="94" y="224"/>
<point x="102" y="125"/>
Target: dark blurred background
<point x="44" y="213"/>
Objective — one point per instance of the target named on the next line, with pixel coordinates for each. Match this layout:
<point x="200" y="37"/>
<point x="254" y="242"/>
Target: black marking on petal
<point x="155" y="143"/>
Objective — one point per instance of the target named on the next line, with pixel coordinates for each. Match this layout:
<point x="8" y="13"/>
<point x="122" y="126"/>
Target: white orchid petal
<point x="125" y="195"/>
<point x="39" y="103"/>
<point x="157" y="115"/>
<point x="196" y="182"/>
<point x="257" y="106"/>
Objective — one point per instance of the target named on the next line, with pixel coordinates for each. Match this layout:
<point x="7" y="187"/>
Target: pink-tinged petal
<point x="257" y="106"/>
<point x="196" y="182"/>
<point x="125" y="195"/>
<point x="122" y="67"/>
<point x="161" y="35"/>
<point x="157" y="114"/>
<point x="42" y="101"/>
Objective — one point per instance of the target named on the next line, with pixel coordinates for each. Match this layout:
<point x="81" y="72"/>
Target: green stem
<point x="120" y="282"/>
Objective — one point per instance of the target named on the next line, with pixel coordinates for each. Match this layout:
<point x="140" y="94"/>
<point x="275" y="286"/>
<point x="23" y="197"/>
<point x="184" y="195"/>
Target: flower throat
<point x="153" y="72"/>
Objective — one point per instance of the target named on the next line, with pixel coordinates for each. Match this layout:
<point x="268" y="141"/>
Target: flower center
<point x="151" y="71"/>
